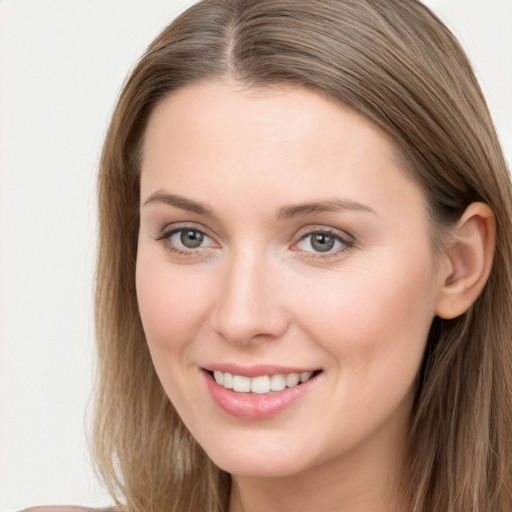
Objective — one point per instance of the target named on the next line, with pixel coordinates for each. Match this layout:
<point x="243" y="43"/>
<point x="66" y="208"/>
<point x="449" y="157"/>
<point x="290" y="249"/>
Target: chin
<point x="271" y="460"/>
<point x="260" y="469"/>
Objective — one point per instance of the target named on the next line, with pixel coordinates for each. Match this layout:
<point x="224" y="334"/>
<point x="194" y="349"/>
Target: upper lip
<point x="256" y="370"/>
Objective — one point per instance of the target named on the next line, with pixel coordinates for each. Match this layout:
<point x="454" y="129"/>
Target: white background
<point x="62" y="63"/>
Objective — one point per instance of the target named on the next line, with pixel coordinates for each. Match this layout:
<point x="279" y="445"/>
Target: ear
<point x="469" y="261"/>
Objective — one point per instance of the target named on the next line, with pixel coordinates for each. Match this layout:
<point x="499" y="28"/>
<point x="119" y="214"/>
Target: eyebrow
<point x="284" y="213"/>
<point x="179" y="202"/>
<point x="331" y="205"/>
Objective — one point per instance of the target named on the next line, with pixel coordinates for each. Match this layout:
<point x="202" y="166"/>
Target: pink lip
<point x="253" y="406"/>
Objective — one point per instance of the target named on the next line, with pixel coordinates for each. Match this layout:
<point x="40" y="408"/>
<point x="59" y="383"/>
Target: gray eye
<point x="322" y="242"/>
<point x="190" y="238"/>
<point x="186" y="240"/>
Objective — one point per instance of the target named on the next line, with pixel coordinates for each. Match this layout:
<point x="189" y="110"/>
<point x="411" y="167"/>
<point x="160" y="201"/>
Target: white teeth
<point x="262" y="384"/>
<point x="241" y="384"/>
<point x="292" y="380"/>
<point x="227" y="380"/>
<point x="277" y="382"/>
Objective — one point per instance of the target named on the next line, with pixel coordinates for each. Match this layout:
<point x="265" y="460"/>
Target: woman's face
<point x="279" y="242"/>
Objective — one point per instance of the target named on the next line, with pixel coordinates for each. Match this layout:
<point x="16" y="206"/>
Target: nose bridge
<point x="248" y="303"/>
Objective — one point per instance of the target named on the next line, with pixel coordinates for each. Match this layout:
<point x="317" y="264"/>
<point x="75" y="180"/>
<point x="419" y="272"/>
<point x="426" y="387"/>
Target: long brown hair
<point x="397" y="64"/>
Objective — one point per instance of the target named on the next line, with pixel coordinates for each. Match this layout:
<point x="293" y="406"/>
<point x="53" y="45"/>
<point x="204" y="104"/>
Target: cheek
<point x="373" y="327"/>
<point x="172" y="305"/>
<point x="375" y="321"/>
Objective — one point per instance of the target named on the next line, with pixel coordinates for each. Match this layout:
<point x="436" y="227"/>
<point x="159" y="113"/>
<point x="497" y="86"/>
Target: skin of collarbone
<point x="279" y="235"/>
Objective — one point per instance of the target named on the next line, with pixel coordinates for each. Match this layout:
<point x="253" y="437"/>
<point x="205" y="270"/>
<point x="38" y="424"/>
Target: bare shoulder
<point x="69" y="508"/>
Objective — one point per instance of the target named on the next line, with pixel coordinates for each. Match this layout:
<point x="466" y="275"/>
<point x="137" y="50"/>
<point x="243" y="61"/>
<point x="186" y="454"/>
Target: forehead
<point x="290" y="142"/>
<point x="225" y="101"/>
<point x="225" y="114"/>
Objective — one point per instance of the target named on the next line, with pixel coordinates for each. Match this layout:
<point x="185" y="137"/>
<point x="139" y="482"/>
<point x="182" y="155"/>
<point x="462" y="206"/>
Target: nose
<point x="249" y="306"/>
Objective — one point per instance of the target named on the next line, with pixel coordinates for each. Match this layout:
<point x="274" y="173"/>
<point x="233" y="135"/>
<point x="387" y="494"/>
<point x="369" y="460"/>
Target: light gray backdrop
<point x="62" y="63"/>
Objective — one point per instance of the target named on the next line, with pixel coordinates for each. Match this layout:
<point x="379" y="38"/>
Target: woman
<point x="304" y="279"/>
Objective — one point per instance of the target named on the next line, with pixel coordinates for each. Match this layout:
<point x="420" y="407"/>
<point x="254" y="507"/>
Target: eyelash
<point x="346" y="242"/>
<point x="166" y="236"/>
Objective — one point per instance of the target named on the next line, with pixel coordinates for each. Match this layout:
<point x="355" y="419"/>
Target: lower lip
<point x="254" y="406"/>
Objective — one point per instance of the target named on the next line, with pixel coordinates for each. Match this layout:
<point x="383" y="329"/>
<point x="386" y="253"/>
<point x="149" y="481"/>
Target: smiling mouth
<point x="262" y="384"/>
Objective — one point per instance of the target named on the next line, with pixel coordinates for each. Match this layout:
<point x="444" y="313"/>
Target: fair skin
<point x="278" y="234"/>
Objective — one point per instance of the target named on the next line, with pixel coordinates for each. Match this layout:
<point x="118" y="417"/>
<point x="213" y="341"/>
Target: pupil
<point x="191" y="239"/>
<point x="322" y="243"/>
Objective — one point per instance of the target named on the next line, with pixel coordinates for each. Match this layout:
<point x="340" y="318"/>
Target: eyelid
<point x="322" y="228"/>
<point x="346" y="239"/>
<point x="170" y="230"/>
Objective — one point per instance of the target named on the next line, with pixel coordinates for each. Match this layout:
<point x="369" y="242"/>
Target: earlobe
<point x="470" y="257"/>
